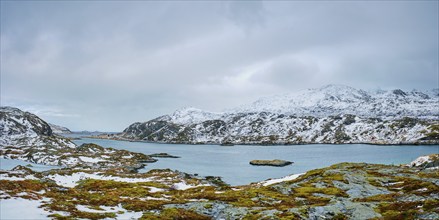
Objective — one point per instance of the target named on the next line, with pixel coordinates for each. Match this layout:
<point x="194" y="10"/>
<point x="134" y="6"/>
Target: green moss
<point x="309" y="190"/>
<point x="175" y="214"/>
<point x="400" y="210"/>
<point x="60" y="217"/>
<point x="340" y="216"/>
<point x="415" y="186"/>
<point x="379" y="198"/>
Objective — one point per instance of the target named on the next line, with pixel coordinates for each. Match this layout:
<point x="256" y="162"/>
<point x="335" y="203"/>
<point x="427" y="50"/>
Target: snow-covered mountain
<point x="339" y="99"/>
<point x="23" y="129"/>
<point x="59" y="129"/>
<point x="331" y="114"/>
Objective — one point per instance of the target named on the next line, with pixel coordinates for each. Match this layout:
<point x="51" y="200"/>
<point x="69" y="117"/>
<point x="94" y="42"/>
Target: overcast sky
<point x="103" y="65"/>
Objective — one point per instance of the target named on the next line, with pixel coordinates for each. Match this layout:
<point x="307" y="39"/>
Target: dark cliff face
<point x="20" y="122"/>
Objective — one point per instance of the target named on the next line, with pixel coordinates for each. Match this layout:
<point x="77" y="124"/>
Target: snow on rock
<point x="121" y="213"/>
<point x="71" y="180"/>
<point x="420" y="160"/>
<point x="428" y="161"/>
<point x="279" y="180"/>
<point x="84" y="156"/>
<point x="155" y="189"/>
<point x="91" y="159"/>
<point x="184" y="186"/>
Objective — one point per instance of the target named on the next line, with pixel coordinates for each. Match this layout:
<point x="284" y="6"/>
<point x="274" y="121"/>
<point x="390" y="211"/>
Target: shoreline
<point x="264" y="144"/>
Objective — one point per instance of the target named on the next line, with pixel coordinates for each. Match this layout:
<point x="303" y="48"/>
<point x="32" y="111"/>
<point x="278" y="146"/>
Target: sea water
<point x="232" y="162"/>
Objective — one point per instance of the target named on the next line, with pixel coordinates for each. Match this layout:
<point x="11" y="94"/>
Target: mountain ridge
<point x="330" y="114"/>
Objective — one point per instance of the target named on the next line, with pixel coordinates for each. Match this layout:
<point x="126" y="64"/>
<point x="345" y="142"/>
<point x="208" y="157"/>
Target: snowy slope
<point x="331" y="114"/>
<point x="339" y="99"/>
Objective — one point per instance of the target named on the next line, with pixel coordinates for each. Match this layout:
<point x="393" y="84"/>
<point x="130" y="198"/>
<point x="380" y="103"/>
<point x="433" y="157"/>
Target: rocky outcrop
<point x="84" y="156"/>
<point x="24" y="136"/>
<point x="275" y="163"/>
<point x="332" y="115"/>
<point x="426" y="162"/>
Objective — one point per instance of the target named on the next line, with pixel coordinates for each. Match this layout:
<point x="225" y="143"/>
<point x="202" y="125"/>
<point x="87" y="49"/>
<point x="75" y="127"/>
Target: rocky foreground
<point x="341" y="191"/>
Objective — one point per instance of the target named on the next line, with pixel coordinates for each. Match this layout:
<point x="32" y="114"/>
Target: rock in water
<point x="275" y="163"/>
<point x="163" y="155"/>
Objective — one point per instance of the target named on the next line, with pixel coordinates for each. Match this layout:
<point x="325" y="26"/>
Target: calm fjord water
<point x="232" y="163"/>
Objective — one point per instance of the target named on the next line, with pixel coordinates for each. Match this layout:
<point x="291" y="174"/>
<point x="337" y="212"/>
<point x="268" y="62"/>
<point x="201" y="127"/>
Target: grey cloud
<point x="287" y="71"/>
<point x="113" y="63"/>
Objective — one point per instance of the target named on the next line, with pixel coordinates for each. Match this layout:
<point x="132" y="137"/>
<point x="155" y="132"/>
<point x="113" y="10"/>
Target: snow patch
<point x="279" y="180"/>
<point x="71" y="180"/>
<point x="90" y="159"/>
<point x="125" y="214"/>
<point x="184" y="186"/>
<point x="18" y="208"/>
<point x="420" y="161"/>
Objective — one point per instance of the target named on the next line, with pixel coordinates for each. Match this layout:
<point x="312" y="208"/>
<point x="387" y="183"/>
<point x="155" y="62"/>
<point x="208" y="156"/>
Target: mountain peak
<point x="334" y="87"/>
<point x="188" y="115"/>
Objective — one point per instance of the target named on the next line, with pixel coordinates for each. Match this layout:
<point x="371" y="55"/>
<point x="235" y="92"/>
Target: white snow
<point x="71" y="161"/>
<point x="279" y="180"/>
<point x="155" y="189"/>
<point x="420" y="160"/>
<point x="90" y="159"/>
<point x="184" y="186"/>
<point x="125" y="214"/>
<point x="155" y="198"/>
<point x="18" y="208"/>
<point x="71" y="180"/>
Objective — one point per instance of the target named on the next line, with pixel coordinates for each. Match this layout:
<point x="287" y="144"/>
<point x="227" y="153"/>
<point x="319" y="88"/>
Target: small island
<point x="275" y="163"/>
<point x="163" y="155"/>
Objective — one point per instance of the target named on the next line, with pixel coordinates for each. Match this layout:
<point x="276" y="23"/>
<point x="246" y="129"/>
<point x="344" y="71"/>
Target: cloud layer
<point x="103" y="65"/>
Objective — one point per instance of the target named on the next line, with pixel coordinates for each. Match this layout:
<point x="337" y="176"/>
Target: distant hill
<point x="59" y="129"/>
